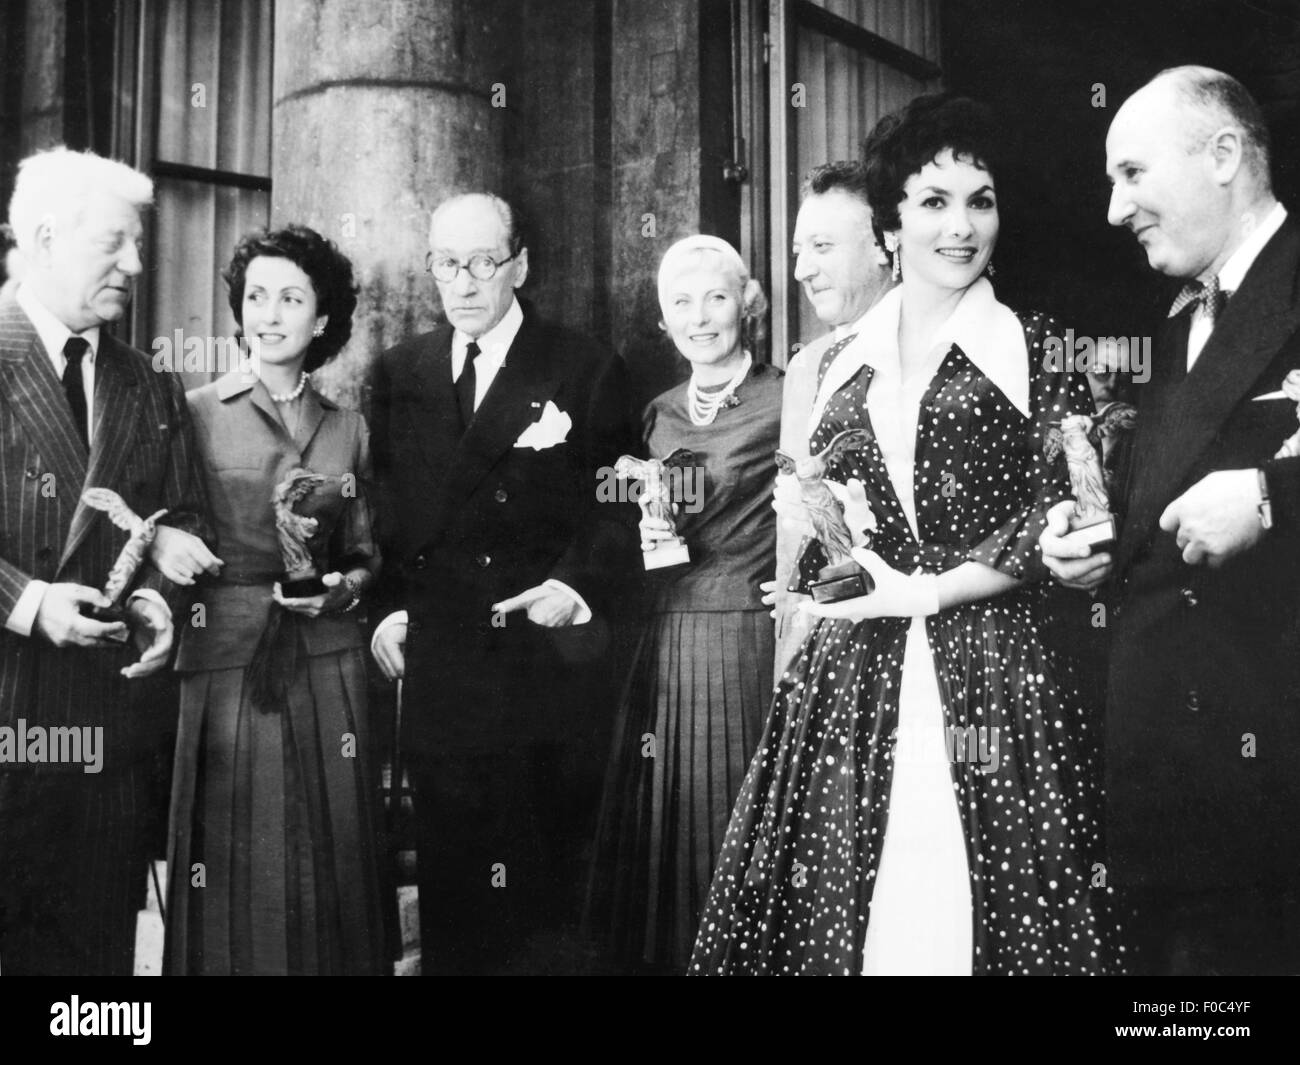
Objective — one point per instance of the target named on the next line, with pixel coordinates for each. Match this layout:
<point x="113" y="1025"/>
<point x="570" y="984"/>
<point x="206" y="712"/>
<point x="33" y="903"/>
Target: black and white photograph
<point x="650" y="488"/>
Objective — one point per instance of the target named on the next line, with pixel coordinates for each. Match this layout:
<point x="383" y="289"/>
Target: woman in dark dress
<point x="273" y="850"/>
<point x="694" y="702"/>
<point x="924" y="797"/>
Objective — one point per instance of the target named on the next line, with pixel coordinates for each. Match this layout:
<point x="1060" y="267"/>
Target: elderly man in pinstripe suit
<point x="78" y="409"/>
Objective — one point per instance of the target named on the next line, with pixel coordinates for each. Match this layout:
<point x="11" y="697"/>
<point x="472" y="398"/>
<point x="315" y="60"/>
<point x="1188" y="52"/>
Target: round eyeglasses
<point x="480" y="267"/>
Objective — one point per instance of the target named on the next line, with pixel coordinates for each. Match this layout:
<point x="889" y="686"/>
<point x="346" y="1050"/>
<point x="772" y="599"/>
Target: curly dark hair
<point x="328" y="268"/>
<point x="906" y="140"/>
<point x="848" y="175"/>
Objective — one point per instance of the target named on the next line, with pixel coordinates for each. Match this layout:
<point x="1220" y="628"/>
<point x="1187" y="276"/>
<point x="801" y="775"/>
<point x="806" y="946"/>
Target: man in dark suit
<point x="1203" y="713"/>
<point x="78" y="409"/>
<point x="489" y="435"/>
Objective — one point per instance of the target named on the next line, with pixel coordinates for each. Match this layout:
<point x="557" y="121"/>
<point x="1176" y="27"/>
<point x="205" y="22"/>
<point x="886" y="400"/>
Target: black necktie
<point x="74" y="350"/>
<point x="465" y="385"/>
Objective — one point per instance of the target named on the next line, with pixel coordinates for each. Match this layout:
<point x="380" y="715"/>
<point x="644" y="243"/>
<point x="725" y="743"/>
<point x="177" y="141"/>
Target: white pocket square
<point x="550" y="429"/>
<point x="1268" y="395"/>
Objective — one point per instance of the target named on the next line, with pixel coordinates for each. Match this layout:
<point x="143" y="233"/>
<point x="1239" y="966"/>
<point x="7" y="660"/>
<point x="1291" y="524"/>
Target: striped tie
<point x="1211" y="298"/>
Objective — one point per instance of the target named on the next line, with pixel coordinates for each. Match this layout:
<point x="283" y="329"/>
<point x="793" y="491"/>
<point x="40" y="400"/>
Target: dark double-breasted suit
<point x="1203" y="723"/>
<point x="72" y="873"/>
<point x="499" y="713"/>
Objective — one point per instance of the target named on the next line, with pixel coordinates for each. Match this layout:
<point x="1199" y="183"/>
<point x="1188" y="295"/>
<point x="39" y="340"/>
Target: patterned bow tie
<point x="1211" y="298"/>
<point x="828" y="356"/>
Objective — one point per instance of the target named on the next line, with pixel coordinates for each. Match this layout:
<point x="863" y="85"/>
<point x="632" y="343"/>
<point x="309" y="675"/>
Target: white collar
<point x="1240" y="261"/>
<point x="988" y="333"/>
<point x="854" y="327"/>
<point x="53" y="333"/>
<point x="494" y="343"/>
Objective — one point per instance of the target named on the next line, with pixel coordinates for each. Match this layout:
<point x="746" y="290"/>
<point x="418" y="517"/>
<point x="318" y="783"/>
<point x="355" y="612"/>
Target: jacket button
<point x="1190" y="597"/>
<point x="1193" y="700"/>
<point x="32" y="472"/>
<point x="484" y="560"/>
<point x="420" y="562"/>
<point x="500" y="495"/>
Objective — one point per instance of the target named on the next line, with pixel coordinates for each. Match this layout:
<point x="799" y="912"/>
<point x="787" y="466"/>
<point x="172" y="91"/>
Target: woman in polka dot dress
<point x="924" y="798"/>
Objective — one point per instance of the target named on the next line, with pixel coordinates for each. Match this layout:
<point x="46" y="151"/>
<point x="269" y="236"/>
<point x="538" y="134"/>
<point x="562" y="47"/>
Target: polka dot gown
<point x="793" y="884"/>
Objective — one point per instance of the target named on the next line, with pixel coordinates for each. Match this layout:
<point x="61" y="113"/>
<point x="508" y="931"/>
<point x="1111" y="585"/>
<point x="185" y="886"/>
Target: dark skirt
<point x="274" y="852"/>
<point x="690" y="717"/>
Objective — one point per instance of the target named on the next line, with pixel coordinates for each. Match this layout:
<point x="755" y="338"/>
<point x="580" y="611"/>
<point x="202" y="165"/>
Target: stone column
<point x="41" y="116"/>
<point x="380" y="111"/>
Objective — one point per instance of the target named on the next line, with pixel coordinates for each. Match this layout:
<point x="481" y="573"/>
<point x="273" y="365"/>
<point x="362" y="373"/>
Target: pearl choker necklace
<point x="703" y="407"/>
<point x="291" y="396"/>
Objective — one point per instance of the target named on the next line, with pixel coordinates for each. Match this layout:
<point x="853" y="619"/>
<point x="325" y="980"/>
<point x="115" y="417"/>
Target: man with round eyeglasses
<point x="502" y="567"/>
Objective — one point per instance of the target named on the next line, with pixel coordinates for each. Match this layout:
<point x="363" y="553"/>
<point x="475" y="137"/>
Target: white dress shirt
<point x="493" y="346"/>
<point x="1231" y="276"/>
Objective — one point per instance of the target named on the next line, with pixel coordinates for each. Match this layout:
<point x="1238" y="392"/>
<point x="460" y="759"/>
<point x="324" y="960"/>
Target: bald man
<point x="489" y="436"/>
<point x="1203" y="711"/>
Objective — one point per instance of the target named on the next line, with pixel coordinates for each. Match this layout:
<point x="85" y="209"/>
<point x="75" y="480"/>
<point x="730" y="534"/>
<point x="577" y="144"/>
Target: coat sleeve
<point x="606" y="539"/>
<point x="184" y="492"/>
<point x="1012" y="548"/>
<point x="352" y="543"/>
<point x="389" y="590"/>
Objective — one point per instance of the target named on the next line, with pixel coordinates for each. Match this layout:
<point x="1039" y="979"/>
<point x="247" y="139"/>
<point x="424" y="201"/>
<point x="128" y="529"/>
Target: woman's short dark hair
<point x="328" y="268"/>
<point x="906" y="140"/>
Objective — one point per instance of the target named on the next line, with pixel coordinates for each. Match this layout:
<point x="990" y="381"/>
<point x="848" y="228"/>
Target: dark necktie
<point x="828" y="356"/>
<point x="466" y="384"/>
<point x="1211" y="298"/>
<point x="74" y="350"/>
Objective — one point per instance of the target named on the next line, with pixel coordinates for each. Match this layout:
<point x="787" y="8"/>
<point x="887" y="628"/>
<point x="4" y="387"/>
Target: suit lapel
<point x="436" y="424"/>
<point x="1253" y="327"/>
<point x="36" y="397"/>
<point x="517" y="397"/>
<point x="116" y="423"/>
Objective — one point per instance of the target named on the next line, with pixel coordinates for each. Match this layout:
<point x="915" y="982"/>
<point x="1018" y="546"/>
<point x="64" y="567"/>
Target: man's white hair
<point x="56" y="184"/>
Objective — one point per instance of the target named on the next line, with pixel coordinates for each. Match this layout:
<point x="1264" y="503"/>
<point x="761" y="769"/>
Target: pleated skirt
<point x="274" y="847"/>
<point x="689" y="720"/>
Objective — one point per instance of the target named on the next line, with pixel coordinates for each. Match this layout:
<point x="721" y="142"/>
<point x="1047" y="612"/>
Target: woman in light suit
<point x="273" y="842"/>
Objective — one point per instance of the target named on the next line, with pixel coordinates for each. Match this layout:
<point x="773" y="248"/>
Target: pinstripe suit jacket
<point x="142" y="449"/>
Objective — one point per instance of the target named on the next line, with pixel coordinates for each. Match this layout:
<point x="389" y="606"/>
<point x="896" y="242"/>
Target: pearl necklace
<point x="291" y="396"/>
<point x="703" y="408"/>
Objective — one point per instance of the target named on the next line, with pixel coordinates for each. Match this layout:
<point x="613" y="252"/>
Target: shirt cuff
<point x="23" y="616"/>
<point x="397" y="617"/>
<point x="152" y="596"/>
<point x="584" y="612"/>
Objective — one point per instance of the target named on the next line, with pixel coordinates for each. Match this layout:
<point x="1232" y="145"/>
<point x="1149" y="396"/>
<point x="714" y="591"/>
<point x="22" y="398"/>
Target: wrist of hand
<point x="921" y="595"/>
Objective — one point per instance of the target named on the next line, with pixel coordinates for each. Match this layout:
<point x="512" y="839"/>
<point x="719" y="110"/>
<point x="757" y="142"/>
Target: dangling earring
<point x="988" y="268"/>
<point x="896" y="254"/>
